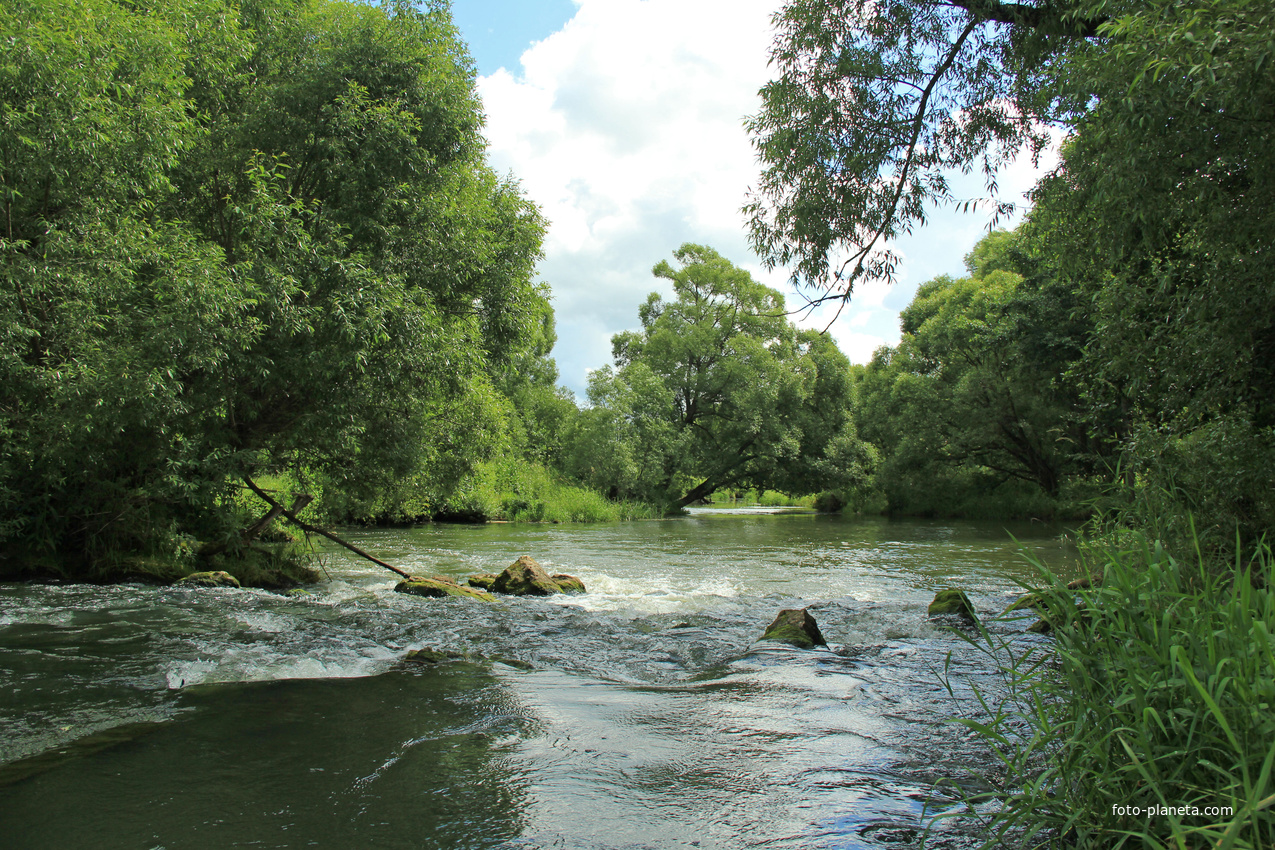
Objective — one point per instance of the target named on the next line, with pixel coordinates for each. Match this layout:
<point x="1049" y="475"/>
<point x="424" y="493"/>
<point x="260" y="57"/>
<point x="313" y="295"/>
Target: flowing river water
<point x="641" y="714"/>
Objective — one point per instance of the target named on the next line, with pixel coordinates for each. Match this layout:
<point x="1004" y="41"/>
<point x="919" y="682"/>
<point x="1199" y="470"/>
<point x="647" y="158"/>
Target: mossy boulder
<point x="209" y="578"/>
<point x="568" y="584"/>
<point x="524" y="577"/>
<point x="795" y="626"/>
<point x="952" y="601"/>
<point x="482" y="581"/>
<point x="438" y="589"/>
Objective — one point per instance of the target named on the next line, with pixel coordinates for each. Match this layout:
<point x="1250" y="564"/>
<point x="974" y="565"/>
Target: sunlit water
<point x="642" y="714"/>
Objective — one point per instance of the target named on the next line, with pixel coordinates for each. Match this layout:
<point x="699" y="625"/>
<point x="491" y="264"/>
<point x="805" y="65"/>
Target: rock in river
<point x="524" y="577"/>
<point x="952" y="601"/>
<point x="482" y="581"/>
<point x="797" y="627"/>
<point x="438" y="587"/>
<point x="210" y="578"/>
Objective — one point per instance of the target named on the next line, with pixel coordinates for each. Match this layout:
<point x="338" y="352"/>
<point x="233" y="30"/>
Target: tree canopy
<point x="876" y="102"/>
<point x="719" y="390"/>
<point x="1155" y="230"/>
<point x="241" y="239"/>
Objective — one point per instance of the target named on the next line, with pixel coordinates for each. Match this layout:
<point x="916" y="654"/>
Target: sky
<point x="623" y="120"/>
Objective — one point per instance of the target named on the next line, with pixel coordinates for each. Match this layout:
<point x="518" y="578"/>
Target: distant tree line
<point x="260" y="245"/>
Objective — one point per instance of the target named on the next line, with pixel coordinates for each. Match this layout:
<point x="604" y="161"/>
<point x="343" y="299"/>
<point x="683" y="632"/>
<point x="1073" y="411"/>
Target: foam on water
<point x="648" y="594"/>
<point x="261" y="662"/>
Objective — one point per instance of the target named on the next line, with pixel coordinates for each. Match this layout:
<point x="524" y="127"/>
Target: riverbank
<point x="1151" y="723"/>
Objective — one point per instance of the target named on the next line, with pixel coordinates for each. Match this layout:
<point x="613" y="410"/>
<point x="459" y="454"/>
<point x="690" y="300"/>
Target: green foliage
<point x="1160" y="695"/>
<point x="242" y="241"/>
<point x="972" y="411"/>
<point x="717" y="390"/>
<point x="1161" y="219"/>
<point x="514" y="490"/>
<point x="544" y="413"/>
<point x="875" y="101"/>
<point x="1146" y="260"/>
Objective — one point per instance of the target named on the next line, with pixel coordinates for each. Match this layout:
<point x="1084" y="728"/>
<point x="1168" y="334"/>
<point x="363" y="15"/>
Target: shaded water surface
<point x="641" y="714"/>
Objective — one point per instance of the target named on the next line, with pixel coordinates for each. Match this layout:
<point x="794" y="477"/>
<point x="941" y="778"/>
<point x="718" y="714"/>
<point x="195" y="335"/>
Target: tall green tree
<point x="265" y="238"/>
<point x="977" y="392"/>
<point x="718" y="389"/>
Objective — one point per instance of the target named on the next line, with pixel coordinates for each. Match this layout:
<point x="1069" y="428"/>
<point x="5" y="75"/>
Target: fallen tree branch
<point x="253" y="531"/>
<point x="291" y="516"/>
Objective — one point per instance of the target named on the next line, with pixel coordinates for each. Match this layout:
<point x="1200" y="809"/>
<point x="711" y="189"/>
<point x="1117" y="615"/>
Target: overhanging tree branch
<point x="918" y="124"/>
<point x="279" y="510"/>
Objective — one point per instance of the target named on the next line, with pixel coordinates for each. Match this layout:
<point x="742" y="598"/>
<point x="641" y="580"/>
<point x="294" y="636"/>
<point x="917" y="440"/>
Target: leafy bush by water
<point x="765" y="498"/>
<point x="517" y="490"/>
<point x="1158" y="694"/>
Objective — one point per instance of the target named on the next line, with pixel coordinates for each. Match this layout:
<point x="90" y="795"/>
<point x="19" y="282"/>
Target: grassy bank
<point x="502" y="490"/>
<point x="764" y="498"/>
<point x="1150" y="720"/>
<point x="521" y="491"/>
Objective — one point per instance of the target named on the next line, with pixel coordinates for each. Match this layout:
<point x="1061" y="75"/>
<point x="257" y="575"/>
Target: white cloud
<point x="626" y="127"/>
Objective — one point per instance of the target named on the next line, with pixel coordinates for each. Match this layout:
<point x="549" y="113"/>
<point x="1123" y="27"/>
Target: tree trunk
<point x="257" y="528"/>
<point x="699" y="491"/>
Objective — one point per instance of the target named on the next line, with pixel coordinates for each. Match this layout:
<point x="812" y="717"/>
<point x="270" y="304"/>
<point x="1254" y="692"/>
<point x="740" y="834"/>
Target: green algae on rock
<point x="795" y="626"/>
<point x="436" y="588"/>
<point x="952" y="601"/>
<point x="482" y="581"/>
<point x="209" y="578"/>
<point x="568" y="584"/>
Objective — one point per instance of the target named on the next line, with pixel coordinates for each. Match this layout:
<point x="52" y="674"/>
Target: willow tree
<point x="718" y="390"/>
<point x="241" y="239"/>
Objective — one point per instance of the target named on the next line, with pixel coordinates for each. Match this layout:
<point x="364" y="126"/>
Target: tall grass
<point x="1153" y="709"/>
<point x="764" y="498"/>
<point x="521" y="491"/>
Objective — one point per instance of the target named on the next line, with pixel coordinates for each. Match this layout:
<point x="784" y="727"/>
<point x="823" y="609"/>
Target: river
<point x="641" y="714"/>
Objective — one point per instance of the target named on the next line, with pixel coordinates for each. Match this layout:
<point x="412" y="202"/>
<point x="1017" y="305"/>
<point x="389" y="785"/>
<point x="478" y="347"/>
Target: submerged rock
<point x="483" y="581"/>
<point x="524" y="577"/>
<point x="433" y="587"/>
<point x="568" y="584"/>
<point x="210" y="578"/>
<point x="1027" y="600"/>
<point x="433" y="656"/>
<point x="797" y="627"/>
<point x="1054" y="608"/>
